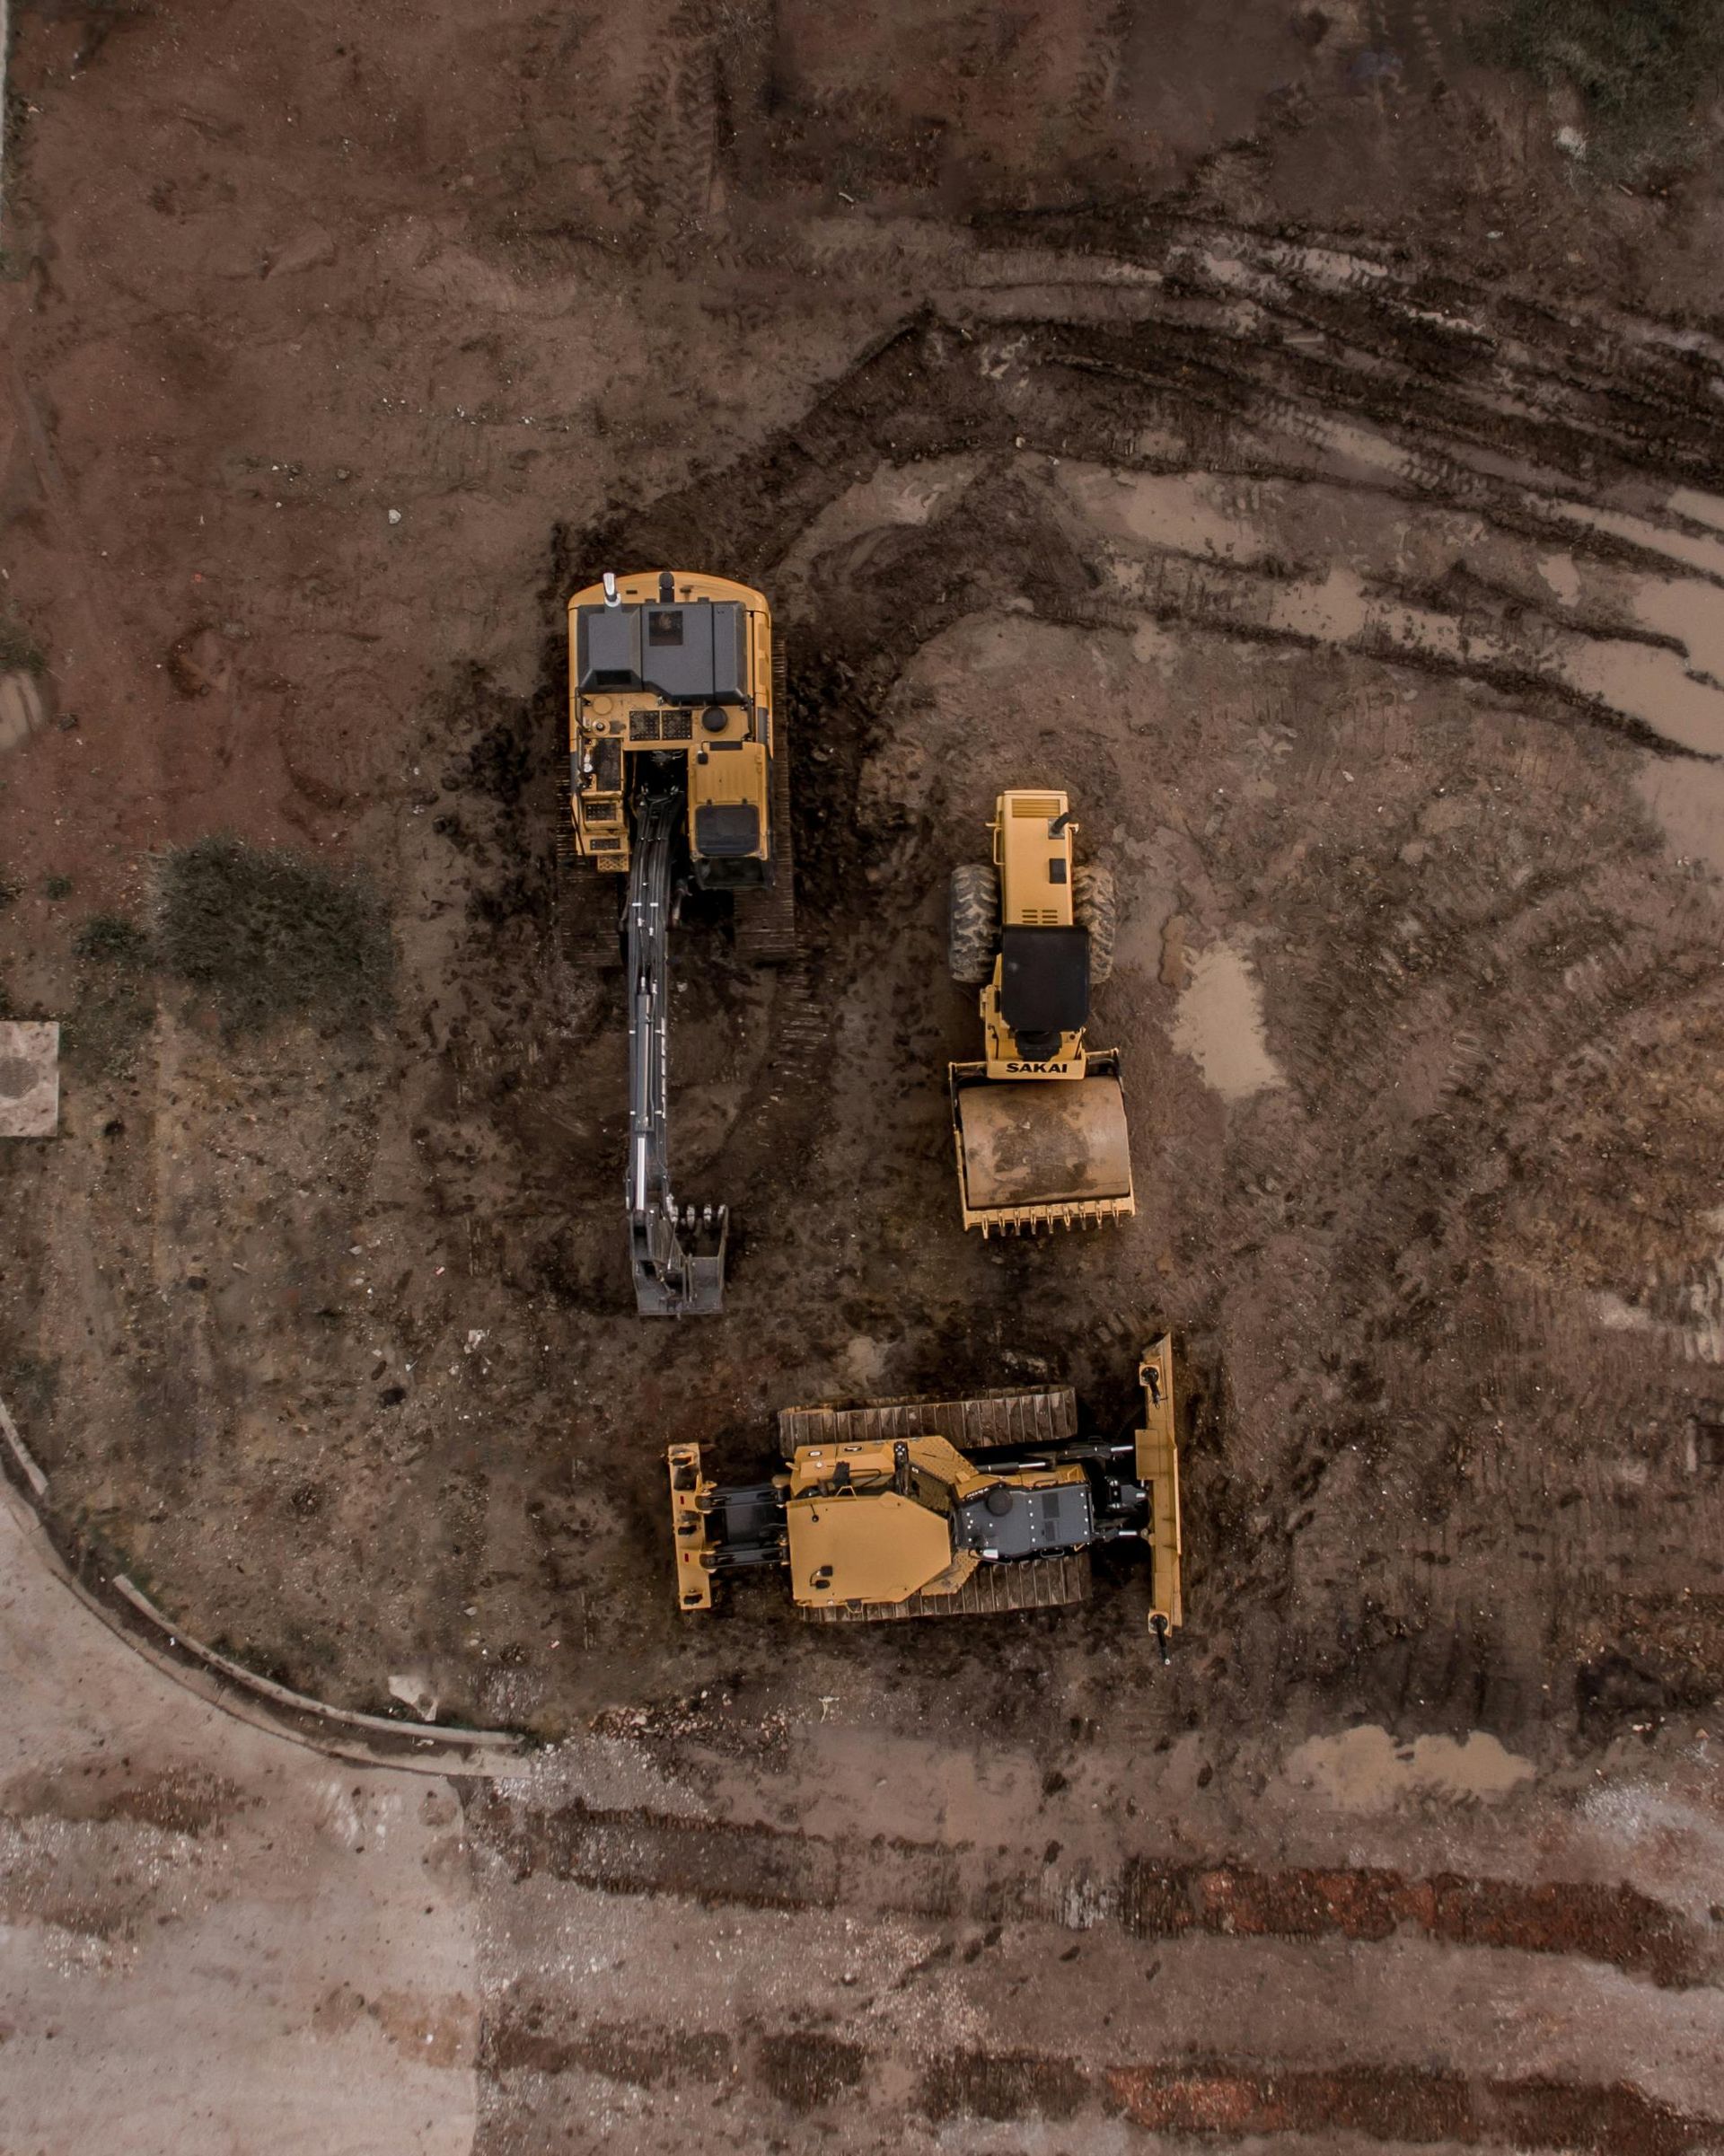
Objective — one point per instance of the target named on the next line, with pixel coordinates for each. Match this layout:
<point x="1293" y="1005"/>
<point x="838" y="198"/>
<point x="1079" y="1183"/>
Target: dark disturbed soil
<point x="1300" y="458"/>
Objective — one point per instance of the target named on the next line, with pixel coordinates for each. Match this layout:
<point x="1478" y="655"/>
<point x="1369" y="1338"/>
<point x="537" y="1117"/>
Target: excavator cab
<point x="678" y="778"/>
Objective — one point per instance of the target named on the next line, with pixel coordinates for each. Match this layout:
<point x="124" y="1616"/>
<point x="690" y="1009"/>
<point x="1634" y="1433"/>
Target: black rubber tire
<point x="1092" y="907"/>
<point x="972" y="925"/>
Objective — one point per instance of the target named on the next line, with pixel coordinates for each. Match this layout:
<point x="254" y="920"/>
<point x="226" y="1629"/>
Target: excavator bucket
<point x="1042" y="1156"/>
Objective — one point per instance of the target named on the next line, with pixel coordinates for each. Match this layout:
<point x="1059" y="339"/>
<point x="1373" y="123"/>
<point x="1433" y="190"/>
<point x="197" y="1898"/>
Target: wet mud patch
<point x="1213" y="588"/>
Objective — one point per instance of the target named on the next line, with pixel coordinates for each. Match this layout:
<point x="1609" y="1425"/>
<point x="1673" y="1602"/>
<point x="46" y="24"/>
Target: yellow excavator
<point x="1039" y="1122"/>
<point x="678" y="778"/>
<point x="933" y="1508"/>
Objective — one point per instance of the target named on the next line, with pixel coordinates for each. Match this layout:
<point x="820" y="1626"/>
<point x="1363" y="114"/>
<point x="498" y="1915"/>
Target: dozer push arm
<point x="679" y="1259"/>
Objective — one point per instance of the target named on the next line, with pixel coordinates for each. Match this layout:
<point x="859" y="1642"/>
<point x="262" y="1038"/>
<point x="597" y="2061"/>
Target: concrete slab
<point x="212" y="1939"/>
<point x="21" y="709"/>
<point x="30" y="1080"/>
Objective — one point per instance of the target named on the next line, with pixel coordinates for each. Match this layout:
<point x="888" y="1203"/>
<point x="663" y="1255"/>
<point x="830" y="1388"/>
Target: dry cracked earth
<point x="1310" y="466"/>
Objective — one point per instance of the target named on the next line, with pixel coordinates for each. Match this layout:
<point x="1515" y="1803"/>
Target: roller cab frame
<point x="942" y="1506"/>
<point x="1038" y="1122"/>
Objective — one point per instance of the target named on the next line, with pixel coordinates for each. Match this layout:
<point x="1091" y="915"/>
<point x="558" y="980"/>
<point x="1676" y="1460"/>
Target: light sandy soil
<point x="1309" y="469"/>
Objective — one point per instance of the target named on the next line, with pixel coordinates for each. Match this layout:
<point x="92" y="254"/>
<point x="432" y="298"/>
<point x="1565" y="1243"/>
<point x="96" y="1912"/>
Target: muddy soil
<point x="1294" y="456"/>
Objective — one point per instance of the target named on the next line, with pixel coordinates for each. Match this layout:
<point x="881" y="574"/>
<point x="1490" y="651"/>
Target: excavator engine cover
<point x="1043" y="1145"/>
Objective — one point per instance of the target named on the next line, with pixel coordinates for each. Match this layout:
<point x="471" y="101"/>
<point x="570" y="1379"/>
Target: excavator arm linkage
<point x="678" y="1256"/>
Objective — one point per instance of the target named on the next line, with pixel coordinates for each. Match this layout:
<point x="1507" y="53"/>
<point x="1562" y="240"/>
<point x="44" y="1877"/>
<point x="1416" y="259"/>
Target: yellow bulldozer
<point x="678" y="778"/>
<point x="1039" y="1122"/>
<point x="932" y="1508"/>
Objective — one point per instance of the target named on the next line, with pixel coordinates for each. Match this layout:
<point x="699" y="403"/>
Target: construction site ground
<point x="1264" y="423"/>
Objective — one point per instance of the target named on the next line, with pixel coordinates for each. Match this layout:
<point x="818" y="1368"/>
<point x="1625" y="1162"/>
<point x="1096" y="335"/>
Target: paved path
<point x="211" y="1939"/>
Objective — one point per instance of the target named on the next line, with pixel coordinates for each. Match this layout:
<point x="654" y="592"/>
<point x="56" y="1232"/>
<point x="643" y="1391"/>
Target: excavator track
<point x="766" y="920"/>
<point x="991" y="1590"/>
<point x="1037" y="1415"/>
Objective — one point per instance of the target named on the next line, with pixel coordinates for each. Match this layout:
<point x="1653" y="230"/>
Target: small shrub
<point x="19" y="653"/>
<point x="1642" y="68"/>
<point x="270" y="935"/>
<point x="58" y="886"/>
<point x="9" y="889"/>
<point x="110" y="939"/>
<point x="108" y="1026"/>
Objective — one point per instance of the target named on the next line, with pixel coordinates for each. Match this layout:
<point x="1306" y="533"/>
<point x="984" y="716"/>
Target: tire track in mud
<point x="720" y="1863"/>
<point x="1489" y="991"/>
<point x="1230" y="2100"/>
<point x="1215" y="2100"/>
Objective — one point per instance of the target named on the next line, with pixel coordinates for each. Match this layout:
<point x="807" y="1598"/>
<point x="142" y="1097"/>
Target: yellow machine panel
<point x="857" y="1547"/>
<point x="889" y="1518"/>
<point x="1035" y="868"/>
<point x="1038" y="1122"/>
<point x="673" y="663"/>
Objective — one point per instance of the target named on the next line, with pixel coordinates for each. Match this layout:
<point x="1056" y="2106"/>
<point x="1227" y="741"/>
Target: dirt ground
<point x="1253" y="421"/>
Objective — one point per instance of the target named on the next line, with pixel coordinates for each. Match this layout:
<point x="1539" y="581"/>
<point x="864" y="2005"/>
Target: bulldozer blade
<point x="1034" y="1155"/>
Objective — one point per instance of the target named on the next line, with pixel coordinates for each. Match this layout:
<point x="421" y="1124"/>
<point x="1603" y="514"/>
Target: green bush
<point x="270" y="935"/>
<point x="19" y="653"/>
<point x="1642" y="66"/>
<point x="110" y="939"/>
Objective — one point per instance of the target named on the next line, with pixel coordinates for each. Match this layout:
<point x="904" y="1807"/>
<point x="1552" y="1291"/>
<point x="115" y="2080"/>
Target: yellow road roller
<point x="1039" y="1122"/>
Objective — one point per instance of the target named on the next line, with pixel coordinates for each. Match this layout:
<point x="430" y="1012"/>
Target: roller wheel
<point x="973" y="926"/>
<point x="1093" y="908"/>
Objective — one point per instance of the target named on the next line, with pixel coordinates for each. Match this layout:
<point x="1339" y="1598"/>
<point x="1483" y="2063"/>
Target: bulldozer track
<point x="991" y="1590"/>
<point x="1041" y="1416"/>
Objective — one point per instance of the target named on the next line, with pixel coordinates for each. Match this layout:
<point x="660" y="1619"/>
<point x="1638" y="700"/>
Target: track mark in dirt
<point x="516" y="2042"/>
<point x="1215" y="2100"/>
<point x="1222" y="2101"/>
<point x="717" y="1863"/>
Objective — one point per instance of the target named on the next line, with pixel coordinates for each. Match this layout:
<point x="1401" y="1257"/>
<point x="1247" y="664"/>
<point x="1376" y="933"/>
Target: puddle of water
<point x="1706" y="555"/>
<point x="1558" y="572"/>
<point x="1366" y="1769"/>
<point x="896" y="494"/>
<point x="1218" y="1023"/>
<point x="1176" y="510"/>
<point x="1688" y="801"/>
<point x="1225" y="533"/>
<point x="1647" y="682"/>
<point x="1691" y="612"/>
<point x="1697" y="507"/>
